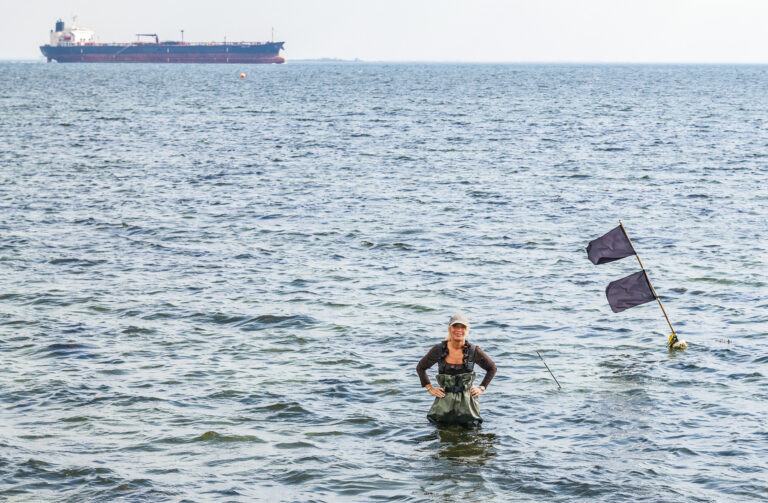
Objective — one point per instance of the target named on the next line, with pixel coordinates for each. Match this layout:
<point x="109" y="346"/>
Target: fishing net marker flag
<point x="633" y="290"/>
<point x="629" y="292"/>
<point x="614" y="245"/>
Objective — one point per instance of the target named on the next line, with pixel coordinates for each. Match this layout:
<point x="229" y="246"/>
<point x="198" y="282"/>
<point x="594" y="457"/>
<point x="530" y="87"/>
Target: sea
<point x="215" y="288"/>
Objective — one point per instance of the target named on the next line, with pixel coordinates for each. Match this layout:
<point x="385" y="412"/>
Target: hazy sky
<point x="421" y="30"/>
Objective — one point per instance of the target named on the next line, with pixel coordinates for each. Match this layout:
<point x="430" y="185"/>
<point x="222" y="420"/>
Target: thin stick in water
<point x="550" y="372"/>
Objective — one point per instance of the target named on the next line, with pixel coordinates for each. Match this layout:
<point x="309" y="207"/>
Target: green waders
<point x="458" y="406"/>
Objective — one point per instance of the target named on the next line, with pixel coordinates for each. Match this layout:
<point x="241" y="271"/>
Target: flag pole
<point x="653" y="290"/>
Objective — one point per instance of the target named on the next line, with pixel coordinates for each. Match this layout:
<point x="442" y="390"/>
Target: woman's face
<point x="458" y="331"/>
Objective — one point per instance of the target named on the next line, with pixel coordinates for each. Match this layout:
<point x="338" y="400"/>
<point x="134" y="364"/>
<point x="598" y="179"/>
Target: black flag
<point x="629" y="292"/>
<point x="612" y="246"/>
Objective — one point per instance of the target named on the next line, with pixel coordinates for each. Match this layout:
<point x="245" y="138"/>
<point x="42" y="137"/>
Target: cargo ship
<point x="77" y="45"/>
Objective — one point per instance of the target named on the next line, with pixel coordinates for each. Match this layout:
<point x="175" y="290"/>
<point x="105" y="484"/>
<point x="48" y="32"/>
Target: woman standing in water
<point x="456" y="398"/>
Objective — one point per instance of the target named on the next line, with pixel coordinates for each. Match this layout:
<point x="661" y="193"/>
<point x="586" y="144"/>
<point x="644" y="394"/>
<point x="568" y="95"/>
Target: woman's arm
<point x="487" y="364"/>
<point x="432" y="357"/>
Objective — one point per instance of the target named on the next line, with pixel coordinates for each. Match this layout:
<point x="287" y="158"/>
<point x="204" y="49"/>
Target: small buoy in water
<point x="680" y="344"/>
<point x="675" y="343"/>
<point x="242" y="75"/>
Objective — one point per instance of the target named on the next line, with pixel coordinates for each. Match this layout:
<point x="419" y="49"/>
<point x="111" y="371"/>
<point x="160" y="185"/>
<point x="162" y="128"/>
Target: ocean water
<point x="217" y="289"/>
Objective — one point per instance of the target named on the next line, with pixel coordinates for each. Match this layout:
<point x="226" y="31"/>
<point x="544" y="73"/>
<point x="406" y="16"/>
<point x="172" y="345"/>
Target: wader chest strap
<point x="471" y="358"/>
<point x="441" y="361"/>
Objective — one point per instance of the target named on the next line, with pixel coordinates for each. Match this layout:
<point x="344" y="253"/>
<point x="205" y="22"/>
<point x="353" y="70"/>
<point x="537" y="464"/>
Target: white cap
<point x="458" y="318"/>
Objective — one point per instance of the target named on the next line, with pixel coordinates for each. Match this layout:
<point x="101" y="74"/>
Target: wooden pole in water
<point x="653" y="290"/>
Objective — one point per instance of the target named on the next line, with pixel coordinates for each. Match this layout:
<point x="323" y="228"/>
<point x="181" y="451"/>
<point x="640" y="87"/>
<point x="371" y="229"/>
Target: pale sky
<point x="665" y="31"/>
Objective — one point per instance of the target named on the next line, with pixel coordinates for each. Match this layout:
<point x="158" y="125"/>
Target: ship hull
<point x="166" y="53"/>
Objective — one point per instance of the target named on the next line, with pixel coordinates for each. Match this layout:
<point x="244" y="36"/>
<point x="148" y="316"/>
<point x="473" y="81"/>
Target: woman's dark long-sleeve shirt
<point x="440" y="351"/>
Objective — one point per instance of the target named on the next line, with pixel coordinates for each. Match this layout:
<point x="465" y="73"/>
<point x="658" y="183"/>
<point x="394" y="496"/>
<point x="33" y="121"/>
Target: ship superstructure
<point x="63" y="36"/>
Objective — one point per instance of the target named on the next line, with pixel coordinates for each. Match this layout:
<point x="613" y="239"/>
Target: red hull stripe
<point x="155" y="58"/>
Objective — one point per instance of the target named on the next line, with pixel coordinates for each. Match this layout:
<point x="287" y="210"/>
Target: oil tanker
<point x="71" y="44"/>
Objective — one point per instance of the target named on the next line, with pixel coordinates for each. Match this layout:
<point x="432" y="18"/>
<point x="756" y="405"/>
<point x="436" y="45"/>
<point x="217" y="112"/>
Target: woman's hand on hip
<point x="438" y="392"/>
<point x="476" y="390"/>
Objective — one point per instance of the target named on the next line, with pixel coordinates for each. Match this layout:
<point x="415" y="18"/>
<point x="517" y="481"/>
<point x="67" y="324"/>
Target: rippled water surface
<point x="217" y="289"/>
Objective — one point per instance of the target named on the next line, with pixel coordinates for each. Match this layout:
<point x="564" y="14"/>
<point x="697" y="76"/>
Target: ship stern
<point x="45" y="49"/>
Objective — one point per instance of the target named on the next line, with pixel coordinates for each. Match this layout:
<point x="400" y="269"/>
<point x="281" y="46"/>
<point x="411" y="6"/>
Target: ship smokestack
<point x="59" y="25"/>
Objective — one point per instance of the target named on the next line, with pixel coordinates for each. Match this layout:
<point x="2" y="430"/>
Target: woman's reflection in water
<point x="470" y="445"/>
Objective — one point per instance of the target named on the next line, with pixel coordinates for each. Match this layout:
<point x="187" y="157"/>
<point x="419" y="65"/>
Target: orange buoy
<point x="242" y="75"/>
